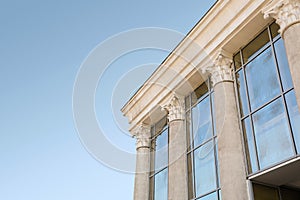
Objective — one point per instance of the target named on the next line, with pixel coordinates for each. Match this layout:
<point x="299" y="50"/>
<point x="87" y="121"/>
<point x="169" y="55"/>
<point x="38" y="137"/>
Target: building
<point x="219" y="118"/>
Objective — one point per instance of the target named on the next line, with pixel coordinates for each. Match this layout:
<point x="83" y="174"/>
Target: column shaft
<point x="230" y="146"/>
<point x="141" y="184"/>
<point x="177" y="179"/>
<point x="292" y="45"/>
<point x="230" y="149"/>
<point x="142" y="172"/>
<point x="177" y="161"/>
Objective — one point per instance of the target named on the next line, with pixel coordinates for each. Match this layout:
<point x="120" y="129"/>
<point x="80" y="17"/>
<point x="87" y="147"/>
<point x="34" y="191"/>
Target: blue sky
<point x="42" y="46"/>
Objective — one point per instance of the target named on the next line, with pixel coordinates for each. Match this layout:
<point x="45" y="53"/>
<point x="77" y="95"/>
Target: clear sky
<point x="42" y="46"/>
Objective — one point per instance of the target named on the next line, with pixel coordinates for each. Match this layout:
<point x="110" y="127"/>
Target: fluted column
<point x="230" y="149"/>
<point x="141" y="183"/>
<point x="177" y="181"/>
<point x="287" y="16"/>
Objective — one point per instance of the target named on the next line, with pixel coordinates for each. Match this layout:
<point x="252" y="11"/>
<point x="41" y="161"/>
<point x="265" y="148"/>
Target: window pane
<point x="250" y="146"/>
<point x="199" y="92"/>
<point x="237" y="61"/>
<point x="283" y="65"/>
<point x="202" y="122"/>
<point x="251" y="50"/>
<point x="294" y="117"/>
<point x="274" y="30"/>
<point x="262" y="79"/>
<point x="161" y="150"/>
<point x="273" y="139"/>
<point x="161" y="185"/>
<point x="265" y="193"/>
<point x="205" y="171"/>
<point x="241" y="87"/>
<point x="213" y="196"/>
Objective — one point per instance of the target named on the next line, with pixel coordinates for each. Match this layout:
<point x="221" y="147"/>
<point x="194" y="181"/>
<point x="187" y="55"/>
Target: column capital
<point x="142" y="134"/>
<point x="175" y="108"/>
<point x="285" y="12"/>
<point x="221" y="69"/>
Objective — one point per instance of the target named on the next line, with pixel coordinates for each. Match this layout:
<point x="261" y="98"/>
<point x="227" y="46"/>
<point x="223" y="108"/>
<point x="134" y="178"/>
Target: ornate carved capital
<point x="142" y="134"/>
<point x="221" y="70"/>
<point x="285" y="12"/>
<point x="175" y="108"/>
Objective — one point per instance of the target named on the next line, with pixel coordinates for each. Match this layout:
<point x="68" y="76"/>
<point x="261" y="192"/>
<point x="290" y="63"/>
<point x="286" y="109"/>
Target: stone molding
<point x="221" y="70"/>
<point x="175" y="108"/>
<point x="142" y="134"/>
<point x="285" y="12"/>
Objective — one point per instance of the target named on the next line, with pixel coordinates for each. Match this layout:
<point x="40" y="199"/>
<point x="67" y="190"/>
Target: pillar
<point x="177" y="179"/>
<point x="230" y="147"/>
<point x="287" y="16"/>
<point x="141" y="183"/>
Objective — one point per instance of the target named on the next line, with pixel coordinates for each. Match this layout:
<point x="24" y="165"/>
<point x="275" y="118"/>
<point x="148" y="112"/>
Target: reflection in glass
<point x="161" y="150"/>
<point x="250" y="146"/>
<point x="294" y="117"/>
<point x="262" y="79"/>
<point x="242" y="93"/>
<point x="161" y="185"/>
<point x="265" y="193"/>
<point x="283" y="65"/>
<point x="213" y="196"/>
<point x="201" y="122"/>
<point x="273" y="140"/>
<point x="205" y="172"/>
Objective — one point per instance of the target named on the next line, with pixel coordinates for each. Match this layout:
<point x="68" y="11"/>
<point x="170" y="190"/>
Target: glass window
<point x="262" y="79"/>
<point x="249" y="146"/>
<point x="237" y="61"/>
<point x="202" y="154"/>
<point x="274" y="143"/>
<point x="283" y="65"/>
<point x="159" y="161"/>
<point x="213" y="196"/>
<point x="161" y="185"/>
<point x="205" y="170"/>
<point x="202" y="122"/>
<point x="241" y="88"/>
<point x="161" y="150"/>
<point x="252" y="49"/>
<point x="271" y="123"/>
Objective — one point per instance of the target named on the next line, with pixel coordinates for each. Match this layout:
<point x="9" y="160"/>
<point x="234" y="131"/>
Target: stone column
<point x="141" y="183"/>
<point x="287" y="16"/>
<point x="177" y="184"/>
<point x="230" y="148"/>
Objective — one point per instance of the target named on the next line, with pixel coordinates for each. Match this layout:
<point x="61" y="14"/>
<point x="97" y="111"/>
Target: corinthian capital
<point x="142" y="134"/>
<point x="175" y="108"/>
<point x="285" y="12"/>
<point x="221" y="69"/>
